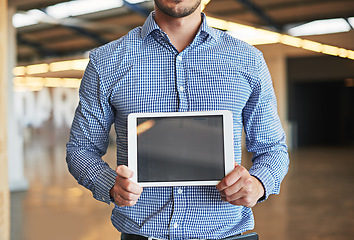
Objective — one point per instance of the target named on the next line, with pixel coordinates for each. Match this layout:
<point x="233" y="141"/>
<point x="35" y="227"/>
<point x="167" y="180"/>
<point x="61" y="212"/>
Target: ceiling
<point x="74" y="36"/>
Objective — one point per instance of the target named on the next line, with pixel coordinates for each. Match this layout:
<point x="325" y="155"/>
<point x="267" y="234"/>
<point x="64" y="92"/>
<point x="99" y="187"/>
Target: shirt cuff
<point x="267" y="180"/>
<point x="104" y="183"/>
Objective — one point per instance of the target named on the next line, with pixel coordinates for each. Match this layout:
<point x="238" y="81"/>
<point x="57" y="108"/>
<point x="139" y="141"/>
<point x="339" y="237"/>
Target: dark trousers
<point x="249" y="236"/>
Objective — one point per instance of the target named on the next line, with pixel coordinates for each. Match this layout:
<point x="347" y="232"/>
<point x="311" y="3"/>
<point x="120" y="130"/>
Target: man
<point x="176" y="62"/>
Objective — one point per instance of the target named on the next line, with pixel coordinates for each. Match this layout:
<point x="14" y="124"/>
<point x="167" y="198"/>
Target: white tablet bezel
<point x="132" y="145"/>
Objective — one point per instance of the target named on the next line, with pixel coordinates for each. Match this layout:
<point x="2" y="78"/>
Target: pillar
<point x="17" y="179"/>
<point x="275" y="56"/>
<point x="4" y="190"/>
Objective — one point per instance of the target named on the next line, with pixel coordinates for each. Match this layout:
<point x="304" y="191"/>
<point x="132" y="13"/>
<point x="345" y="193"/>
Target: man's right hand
<point x="125" y="192"/>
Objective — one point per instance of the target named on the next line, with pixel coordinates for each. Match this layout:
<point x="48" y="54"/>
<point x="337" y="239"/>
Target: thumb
<point x="124" y="172"/>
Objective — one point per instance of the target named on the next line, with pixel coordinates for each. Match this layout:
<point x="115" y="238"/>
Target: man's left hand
<point x="240" y="188"/>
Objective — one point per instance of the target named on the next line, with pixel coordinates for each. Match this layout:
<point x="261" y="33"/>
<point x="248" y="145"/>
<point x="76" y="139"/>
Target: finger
<point x="121" y="202"/>
<point x="245" y="201"/>
<point x="231" y="190"/>
<point x="232" y="197"/>
<point x="122" y="197"/>
<point x="129" y="186"/>
<point x="230" y="179"/>
<point x="243" y="191"/>
<point x="124" y="172"/>
<point x="247" y="195"/>
<point x="127" y="195"/>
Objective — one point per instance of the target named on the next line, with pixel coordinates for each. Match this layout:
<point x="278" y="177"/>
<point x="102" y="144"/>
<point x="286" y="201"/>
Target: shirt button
<point x="181" y="88"/>
<point x="175" y="225"/>
<point x="179" y="58"/>
<point x="179" y="191"/>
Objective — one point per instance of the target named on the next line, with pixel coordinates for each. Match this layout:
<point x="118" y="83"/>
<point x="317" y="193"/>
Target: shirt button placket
<point x="179" y="211"/>
<point x="181" y="83"/>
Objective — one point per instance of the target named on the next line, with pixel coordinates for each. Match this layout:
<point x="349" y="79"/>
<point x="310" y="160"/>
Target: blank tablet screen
<point x="188" y="148"/>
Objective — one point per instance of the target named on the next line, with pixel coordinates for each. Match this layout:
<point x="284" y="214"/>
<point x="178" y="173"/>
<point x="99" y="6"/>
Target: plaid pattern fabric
<point x="143" y="72"/>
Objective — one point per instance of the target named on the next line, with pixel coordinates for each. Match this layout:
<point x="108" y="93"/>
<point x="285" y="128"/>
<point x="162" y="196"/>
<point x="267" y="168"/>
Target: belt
<point x="126" y="236"/>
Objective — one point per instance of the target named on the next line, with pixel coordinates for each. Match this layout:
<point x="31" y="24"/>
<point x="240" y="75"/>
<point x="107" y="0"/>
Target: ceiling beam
<point x="86" y="33"/>
<point x="39" y="48"/>
<point x="303" y="3"/>
<point x="261" y="14"/>
<point x="78" y="29"/>
<point x="137" y="8"/>
<point x="25" y="5"/>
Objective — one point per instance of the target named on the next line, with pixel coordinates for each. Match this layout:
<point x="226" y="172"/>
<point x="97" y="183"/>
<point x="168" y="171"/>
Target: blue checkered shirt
<point x="143" y="72"/>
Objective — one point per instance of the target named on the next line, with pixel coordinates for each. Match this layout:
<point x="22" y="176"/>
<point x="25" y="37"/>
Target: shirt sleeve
<point x="265" y="137"/>
<point x="89" y="137"/>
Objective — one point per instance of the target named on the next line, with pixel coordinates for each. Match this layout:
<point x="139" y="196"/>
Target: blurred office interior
<point x="308" y="46"/>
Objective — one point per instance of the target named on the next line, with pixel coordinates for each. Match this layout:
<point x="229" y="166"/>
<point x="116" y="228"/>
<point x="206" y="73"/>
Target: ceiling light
<point x="251" y="35"/>
<point x="351" y="54"/>
<point x="135" y="1"/>
<point x="28" y="18"/>
<point x="321" y="27"/>
<point x="351" y="21"/>
<point x="331" y="50"/>
<point x="81" y="7"/>
<point x="218" y="23"/>
<point x="79" y="64"/>
<point x="53" y="82"/>
<point x="312" y="46"/>
<point x="37" y="83"/>
<point x="37" y="68"/>
<point x="259" y="36"/>
<point x="343" y="52"/>
<point x="71" y="82"/>
<point x="65" y="10"/>
<point x="60" y="66"/>
<point x="18" y="80"/>
<point x="255" y="36"/>
<point x="19" y="71"/>
<point x="34" y="81"/>
<point x="291" y="41"/>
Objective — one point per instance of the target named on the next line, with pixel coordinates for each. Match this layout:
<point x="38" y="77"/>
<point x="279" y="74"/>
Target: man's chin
<point x="177" y="11"/>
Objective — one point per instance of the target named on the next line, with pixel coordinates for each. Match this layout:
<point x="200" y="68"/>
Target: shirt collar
<point x="150" y="25"/>
<point x="207" y="29"/>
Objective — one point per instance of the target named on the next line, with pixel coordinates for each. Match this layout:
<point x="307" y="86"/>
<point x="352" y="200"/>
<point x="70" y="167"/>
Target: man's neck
<point x="181" y="31"/>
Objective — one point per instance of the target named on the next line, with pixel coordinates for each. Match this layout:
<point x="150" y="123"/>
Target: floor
<point x="316" y="201"/>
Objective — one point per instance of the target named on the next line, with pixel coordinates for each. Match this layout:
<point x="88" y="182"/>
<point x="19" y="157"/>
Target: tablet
<point x="180" y="148"/>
